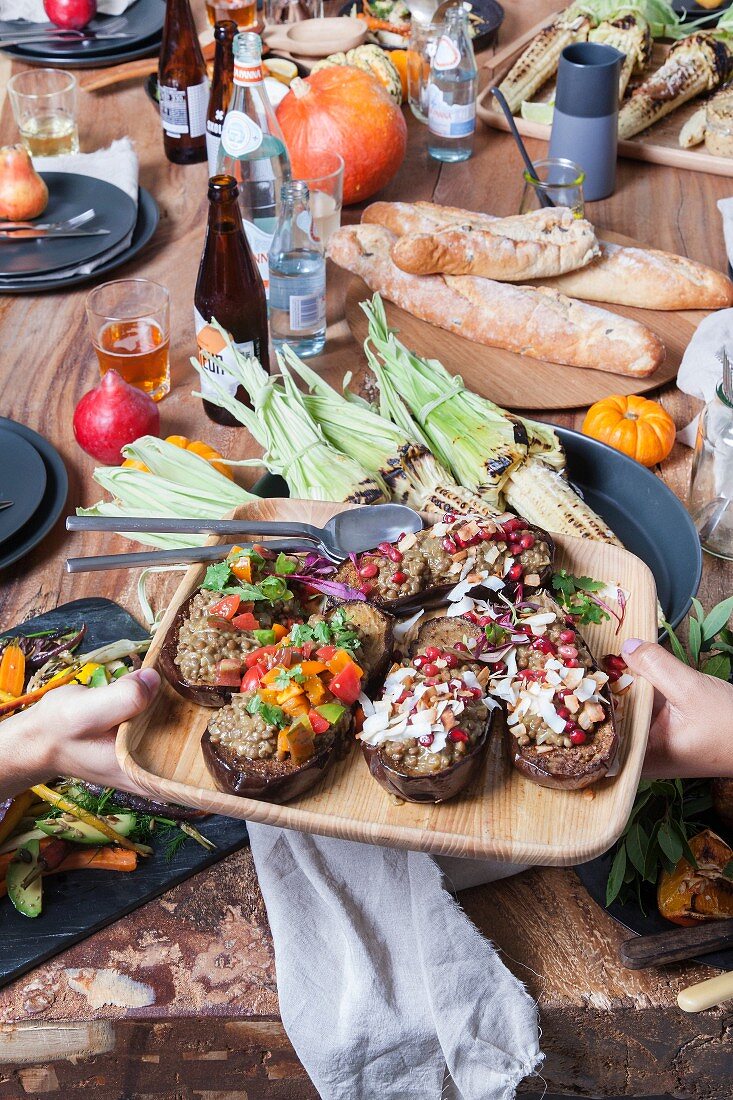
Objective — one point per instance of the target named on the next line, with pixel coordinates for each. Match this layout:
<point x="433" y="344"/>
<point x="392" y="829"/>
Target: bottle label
<point x="306" y="310"/>
<point x="214" y="354"/>
<point x="259" y="241"/>
<point x="213" y="141"/>
<point x="183" y="110"/>
<point x="247" y="74"/>
<point x="449" y="120"/>
<point x="240" y="134"/>
<point x="447" y="55"/>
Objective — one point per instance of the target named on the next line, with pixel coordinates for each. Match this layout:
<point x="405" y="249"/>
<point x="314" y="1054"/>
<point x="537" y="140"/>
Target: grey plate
<point x="143" y="20"/>
<point x="70" y="194"/>
<point x="22" y="480"/>
<point x="147" y="222"/>
<point x="54" y="497"/>
<point x="648" y="518"/>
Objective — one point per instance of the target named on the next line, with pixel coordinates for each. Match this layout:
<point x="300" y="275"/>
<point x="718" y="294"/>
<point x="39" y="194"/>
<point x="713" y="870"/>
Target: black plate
<point x="143" y="21"/>
<point x="70" y="194"/>
<point x="692" y="10"/>
<point x="22" y="480"/>
<point x="52" y="504"/>
<point x="490" y="12"/>
<point x="79" y="903"/>
<point x="634" y="502"/>
<point x="145" y="226"/>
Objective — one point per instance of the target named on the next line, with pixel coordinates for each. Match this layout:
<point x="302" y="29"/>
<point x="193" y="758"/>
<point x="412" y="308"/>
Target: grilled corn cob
<point x="697" y="64"/>
<point x="545" y="498"/>
<point x="693" y="131"/>
<point x="460" y="501"/>
<point x="539" y="61"/>
<point x="632" y="36"/>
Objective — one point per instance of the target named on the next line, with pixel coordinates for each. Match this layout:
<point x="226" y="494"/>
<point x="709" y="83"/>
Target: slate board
<point x="79" y="903"/>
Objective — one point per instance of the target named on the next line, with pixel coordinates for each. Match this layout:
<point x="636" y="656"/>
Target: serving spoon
<point x="348" y="532"/>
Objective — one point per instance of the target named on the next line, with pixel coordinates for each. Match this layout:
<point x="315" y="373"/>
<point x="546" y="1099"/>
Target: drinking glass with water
<point x="297" y="276"/>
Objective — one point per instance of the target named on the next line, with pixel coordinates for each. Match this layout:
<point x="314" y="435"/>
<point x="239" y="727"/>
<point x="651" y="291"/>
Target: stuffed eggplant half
<point x="424" y="738"/>
<point x="294" y="712"/>
<point x="560" y="723"/>
<point x="423" y="568"/>
<point x="245" y="602"/>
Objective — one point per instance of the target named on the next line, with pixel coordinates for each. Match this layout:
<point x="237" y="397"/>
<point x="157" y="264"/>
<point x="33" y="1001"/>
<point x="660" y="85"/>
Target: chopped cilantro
<point x="301" y="633"/>
<point x="337" y="631"/>
<point x="286" y="676"/>
<point x="577" y="596"/>
<point x="268" y="712"/>
<point x="285" y="565"/>
<point x="322" y="633"/>
<point x="217" y="577"/>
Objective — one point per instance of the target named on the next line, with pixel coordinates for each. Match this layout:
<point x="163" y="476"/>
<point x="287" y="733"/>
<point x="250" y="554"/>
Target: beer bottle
<point x="229" y="289"/>
<point x="221" y="88"/>
<point x="183" y="87"/>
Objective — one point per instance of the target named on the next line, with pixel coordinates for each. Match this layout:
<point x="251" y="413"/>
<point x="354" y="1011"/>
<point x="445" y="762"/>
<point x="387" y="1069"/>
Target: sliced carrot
<point x="12" y="670"/>
<point x="101" y="859"/>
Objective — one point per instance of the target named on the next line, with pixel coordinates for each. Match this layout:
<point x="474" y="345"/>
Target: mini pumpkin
<point x="634" y="425"/>
<point x="370" y="59"/>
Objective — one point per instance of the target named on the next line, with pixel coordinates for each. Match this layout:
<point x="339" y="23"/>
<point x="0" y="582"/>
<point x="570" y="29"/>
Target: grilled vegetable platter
<point x="675" y="80"/>
<point x="52" y="833"/>
<point x="389" y="21"/>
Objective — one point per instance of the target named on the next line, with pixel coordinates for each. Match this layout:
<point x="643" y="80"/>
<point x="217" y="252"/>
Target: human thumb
<point x="675" y="680"/>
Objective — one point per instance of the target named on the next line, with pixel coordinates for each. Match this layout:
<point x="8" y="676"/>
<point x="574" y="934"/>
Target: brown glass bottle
<point x="183" y="87"/>
<point x="221" y="88"/>
<point x="229" y="289"/>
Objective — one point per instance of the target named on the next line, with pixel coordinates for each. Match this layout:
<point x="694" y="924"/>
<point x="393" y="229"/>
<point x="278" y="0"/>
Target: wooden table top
<point x="204" y="949"/>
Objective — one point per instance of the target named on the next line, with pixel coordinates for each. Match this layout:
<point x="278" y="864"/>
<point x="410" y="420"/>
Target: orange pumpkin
<point x="634" y="425"/>
<point x="347" y="111"/>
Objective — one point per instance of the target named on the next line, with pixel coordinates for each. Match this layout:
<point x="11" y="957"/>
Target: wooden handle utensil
<point x="676" y="945"/>
<point x="696" y="998"/>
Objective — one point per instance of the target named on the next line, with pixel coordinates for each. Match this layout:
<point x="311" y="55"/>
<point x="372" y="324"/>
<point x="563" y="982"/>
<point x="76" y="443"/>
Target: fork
<point x="69" y="223"/>
<point x="58" y="34"/>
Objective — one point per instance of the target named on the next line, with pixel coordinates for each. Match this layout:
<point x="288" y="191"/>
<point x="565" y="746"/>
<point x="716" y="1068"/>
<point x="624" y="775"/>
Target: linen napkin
<point x="32" y="10"/>
<point x="386" y="988"/>
<point x="117" y="163"/>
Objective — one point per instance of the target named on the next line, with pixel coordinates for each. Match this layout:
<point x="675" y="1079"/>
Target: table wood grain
<point x="122" y="1013"/>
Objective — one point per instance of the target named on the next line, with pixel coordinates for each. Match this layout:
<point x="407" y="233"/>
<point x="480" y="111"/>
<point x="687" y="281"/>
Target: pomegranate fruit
<point x="23" y="194"/>
<point x="112" y="415"/>
<point x="70" y="14"/>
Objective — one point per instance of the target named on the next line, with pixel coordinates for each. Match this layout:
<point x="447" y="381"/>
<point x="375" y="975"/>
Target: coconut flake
<point x="366" y="705"/>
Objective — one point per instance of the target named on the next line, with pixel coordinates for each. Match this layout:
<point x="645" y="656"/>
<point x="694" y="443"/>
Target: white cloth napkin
<point x="118" y="164"/>
<point x="32" y="10"/>
<point x="386" y="988"/>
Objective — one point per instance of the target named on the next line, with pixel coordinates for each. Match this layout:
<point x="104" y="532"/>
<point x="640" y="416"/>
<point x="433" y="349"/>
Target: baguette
<point x="532" y="246"/>
<point x="620" y="275"/>
<point x="532" y="321"/>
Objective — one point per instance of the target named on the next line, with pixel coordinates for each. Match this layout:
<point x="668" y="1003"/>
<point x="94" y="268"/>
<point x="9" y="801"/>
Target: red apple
<point x="70" y="14"/>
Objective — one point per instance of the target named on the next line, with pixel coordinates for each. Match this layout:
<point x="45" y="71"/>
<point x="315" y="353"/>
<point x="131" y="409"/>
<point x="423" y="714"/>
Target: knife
<point x="676" y="944"/>
<point x="48" y="234"/>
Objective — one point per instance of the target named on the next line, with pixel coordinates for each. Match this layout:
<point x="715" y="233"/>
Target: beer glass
<point x="130" y="325"/>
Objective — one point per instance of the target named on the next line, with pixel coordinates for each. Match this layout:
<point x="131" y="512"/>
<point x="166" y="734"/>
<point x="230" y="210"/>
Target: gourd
<point x="634" y="425"/>
<point x="399" y="60"/>
<point x="344" y="110"/>
<point x="370" y="59"/>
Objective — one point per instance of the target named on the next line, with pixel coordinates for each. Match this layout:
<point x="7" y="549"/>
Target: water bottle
<point x="253" y="149"/>
<point x="452" y="91"/>
<point x="297" y="276"/>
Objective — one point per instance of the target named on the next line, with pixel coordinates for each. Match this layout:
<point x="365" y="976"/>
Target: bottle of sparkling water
<point x="452" y="91"/>
<point x="297" y="276"/>
<point x="253" y="149"/>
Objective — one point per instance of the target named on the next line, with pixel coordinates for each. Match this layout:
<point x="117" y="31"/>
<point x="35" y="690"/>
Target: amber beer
<point x="139" y="351"/>
<point x="243" y="12"/>
<point x="183" y="87"/>
<point x="221" y="88"/>
<point x="230" y="290"/>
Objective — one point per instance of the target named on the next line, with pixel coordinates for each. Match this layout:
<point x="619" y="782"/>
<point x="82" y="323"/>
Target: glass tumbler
<point x="44" y="108"/>
<point x="292" y="11"/>
<point x="711" y="486"/>
<point x="422" y="45"/>
<point x="326" y="195"/>
<point x="130" y="324"/>
<point x="557" y="179"/>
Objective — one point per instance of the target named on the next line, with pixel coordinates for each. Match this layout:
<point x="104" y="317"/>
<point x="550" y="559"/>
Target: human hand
<point x="691" y="734"/>
<point x="71" y="731"/>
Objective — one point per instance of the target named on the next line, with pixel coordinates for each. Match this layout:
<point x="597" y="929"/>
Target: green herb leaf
<point x="284" y="565"/>
<point x="637" y="843"/>
<point x="674" y="641"/>
<point x="695" y="640"/>
<point x="268" y="712"/>
<point x="575" y="594"/>
<point x="716" y="619"/>
<point x="719" y="665"/>
<point x="322" y="633"/>
<point x="616" y="877"/>
<point x="217" y="577"/>
<point x="286" y="676"/>
<point x="670" y="843"/>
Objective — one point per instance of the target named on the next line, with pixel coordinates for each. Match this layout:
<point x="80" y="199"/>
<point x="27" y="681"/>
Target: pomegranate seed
<point x="461" y="647"/>
<point x="613" y="676"/>
<point x="562" y="692"/>
<point x="543" y="645"/>
<point x="384" y="548"/>
<point x="527" y="674"/>
<point x="395" y="555"/>
<point x="562" y="712"/>
<point x="405" y="695"/>
<point x="476" y="692"/>
<point x="567" y="651"/>
<point x="449" y="546"/>
<point x="513" y="524"/>
<point x="515" y="572"/>
<point x="430" y="682"/>
<point x="451" y="661"/>
<point x="577" y="737"/>
<point x="472" y="618"/>
<point x="427" y="739"/>
<point x="527" y="541"/>
<point x="368" y="570"/>
<point x="460" y="543"/>
<point x="432" y="652"/>
<point x="430" y="669"/>
<point x="614" y="662"/>
<point x="486" y="535"/>
<point x="567" y="636"/>
<point x="449" y="517"/>
<point x="419" y="661"/>
<point x="485" y="620"/>
<point x="399" y="577"/>
<point x="366" y="590"/>
<point x="571" y="662"/>
<point x="457" y="734"/>
<point x="570" y="725"/>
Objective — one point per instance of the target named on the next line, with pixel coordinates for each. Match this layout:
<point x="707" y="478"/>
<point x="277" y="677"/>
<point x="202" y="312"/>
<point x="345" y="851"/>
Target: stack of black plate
<point x="30" y="266"/>
<point x="142" y="24"/>
<point x="33" y="489"/>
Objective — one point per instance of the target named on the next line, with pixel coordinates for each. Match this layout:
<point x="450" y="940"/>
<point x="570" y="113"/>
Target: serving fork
<point x="68" y="223"/>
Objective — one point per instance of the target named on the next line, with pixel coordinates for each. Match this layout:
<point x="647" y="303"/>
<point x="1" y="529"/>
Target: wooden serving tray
<point x="657" y="145"/>
<point x="501" y="815"/>
<point x="518" y="382"/>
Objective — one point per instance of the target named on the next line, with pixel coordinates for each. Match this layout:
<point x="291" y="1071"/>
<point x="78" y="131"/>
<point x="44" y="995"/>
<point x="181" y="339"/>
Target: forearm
<point x="22" y="763"/>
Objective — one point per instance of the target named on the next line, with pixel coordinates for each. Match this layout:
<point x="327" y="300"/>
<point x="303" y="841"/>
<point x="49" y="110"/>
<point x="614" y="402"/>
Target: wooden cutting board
<point x="501" y="815"/>
<point x="517" y="382"/>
